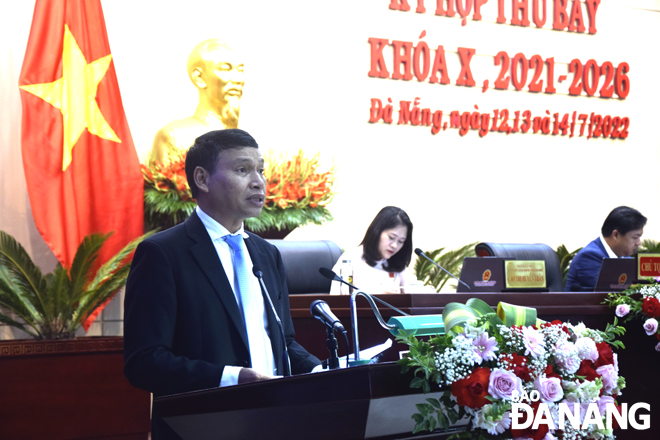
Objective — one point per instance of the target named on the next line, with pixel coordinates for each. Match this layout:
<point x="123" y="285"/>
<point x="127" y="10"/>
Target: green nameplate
<point x="524" y="274"/>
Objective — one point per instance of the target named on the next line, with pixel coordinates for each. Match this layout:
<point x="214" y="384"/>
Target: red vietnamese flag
<point x="82" y="171"/>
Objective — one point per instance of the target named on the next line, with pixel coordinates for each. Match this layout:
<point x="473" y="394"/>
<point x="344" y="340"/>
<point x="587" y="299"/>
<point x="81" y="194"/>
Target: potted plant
<point x="54" y="306"/>
<point x="62" y="387"/>
<point x="297" y="194"/>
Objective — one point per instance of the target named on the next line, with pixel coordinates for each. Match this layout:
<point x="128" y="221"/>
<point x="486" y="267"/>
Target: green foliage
<point x="612" y="332"/>
<point x="565" y="259"/>
<point x="450" y="260"/>
<point x="421" y="358"/>
<point x="441" y="413"/>
<point x="164" y="209"/>
<point x="649" y="246"/>
<point x="54" y="306"/>
<point x="290" y="218"/>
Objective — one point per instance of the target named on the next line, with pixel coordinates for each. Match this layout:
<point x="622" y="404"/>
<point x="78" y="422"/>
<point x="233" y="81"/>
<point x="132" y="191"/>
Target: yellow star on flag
<point x="75" y="95"/>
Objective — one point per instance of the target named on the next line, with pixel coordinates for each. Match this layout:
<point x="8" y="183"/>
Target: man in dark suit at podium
<point x="621" y="236"/>
<point x="196" y="316"/>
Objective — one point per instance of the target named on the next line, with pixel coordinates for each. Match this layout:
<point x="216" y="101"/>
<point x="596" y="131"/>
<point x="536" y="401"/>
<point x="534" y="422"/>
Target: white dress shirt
<point x="609" y="251"/>
<point x="216" y="231"/>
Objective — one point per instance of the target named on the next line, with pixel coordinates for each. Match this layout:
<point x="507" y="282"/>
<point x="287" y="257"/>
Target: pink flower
<point x="603" y="401"/>
<point x="549" y="388"/>
<point x="503" y="383"/>
<point x="650" y="326"/>
<point x="484" y="348"/>
<point x="657" y="347"/>
<point x="622" y="310"/>
<point x="533" y="340"/>
<point x="610" y="377"/>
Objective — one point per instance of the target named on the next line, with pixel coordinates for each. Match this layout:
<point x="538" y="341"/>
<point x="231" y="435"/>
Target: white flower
<point x="485" y="419"/>
<point x="586" y="348"/>
<point x="471" y="330"/>
<point x="533" y="340"/>
<point x="567" y="356"/>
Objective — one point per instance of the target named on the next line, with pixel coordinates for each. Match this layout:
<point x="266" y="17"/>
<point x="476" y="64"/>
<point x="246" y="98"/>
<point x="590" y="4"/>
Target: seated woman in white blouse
<point x="380" y="264"/>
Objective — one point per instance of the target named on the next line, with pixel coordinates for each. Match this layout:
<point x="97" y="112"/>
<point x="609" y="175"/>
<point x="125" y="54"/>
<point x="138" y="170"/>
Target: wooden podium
<point x="639" y="363"/>
<point x="375" y="401"/>
<point x="369" y="401"/>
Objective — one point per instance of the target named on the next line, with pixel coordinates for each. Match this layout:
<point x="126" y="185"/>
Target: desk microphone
<point x="321" y="311"/>
<point x="419" y="252"/>
<point x="286" y="362"/>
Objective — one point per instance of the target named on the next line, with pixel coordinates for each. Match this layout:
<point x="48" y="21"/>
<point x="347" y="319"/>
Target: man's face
<point x="224" y="79"/>
<point x="627" y="244"/>
<point x="236" y="189"/>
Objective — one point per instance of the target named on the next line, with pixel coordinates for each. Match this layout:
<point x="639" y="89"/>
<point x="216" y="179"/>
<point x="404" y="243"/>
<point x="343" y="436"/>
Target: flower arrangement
<point x="641" y="302"/>
<point x="487" y="359"/>
<point x="297" y="193"/>
<point x="167" y="197"/>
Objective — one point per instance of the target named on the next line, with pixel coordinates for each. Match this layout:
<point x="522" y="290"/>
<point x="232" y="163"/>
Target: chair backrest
<point x="302" y="260"/>
<point x="522" y="251"/>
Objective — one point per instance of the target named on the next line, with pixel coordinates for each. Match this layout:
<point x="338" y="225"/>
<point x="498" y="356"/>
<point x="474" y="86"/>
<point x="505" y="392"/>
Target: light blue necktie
<point x="257" y="337"/>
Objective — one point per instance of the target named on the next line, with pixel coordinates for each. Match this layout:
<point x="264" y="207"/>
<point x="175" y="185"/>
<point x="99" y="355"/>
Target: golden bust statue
<point x="217" y="72"/>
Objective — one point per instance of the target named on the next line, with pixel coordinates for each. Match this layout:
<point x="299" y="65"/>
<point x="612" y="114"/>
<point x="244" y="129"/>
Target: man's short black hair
<point x="624" y="220"/>
<point x="204" y="152"/>
<point x="389" y="217"/>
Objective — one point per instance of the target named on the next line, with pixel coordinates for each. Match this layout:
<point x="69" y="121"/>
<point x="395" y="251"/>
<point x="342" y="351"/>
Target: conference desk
<point x="639" y="363"/>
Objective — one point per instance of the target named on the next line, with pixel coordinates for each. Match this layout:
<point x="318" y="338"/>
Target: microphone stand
<point x="333" y="362"/>
<point x="354" y="324"/>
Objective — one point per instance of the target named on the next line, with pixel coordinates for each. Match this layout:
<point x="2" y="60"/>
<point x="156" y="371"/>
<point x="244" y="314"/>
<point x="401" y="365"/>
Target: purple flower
<point x="650" y="326"/>
<point x="484" y="348"/>
<point x="622" y="310"/>
<point x="533" y="340"/>
<point x="503" y="383"/>
<point x="549" y="388"/>
<point x="657" y="347"/>
<point x="610" y="377"/>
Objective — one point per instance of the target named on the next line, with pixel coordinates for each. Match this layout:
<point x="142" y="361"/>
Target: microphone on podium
<point x="419" y="252"/>
<point x="321" y="311"/>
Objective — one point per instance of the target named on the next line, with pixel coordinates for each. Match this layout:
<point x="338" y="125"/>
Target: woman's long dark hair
<point x="389" y="217"/>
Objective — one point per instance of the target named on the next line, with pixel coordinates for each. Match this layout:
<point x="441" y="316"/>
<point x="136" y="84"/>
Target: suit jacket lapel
<point x="207" y="258"/>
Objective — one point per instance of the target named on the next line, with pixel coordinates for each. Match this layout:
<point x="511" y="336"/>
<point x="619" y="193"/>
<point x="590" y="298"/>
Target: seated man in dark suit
<point x="196" y="316"/>
<point x="621" y="236"/>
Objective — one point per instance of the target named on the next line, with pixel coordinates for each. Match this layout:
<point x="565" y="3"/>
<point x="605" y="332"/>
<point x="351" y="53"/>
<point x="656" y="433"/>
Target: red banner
<point x="82" y="171"/>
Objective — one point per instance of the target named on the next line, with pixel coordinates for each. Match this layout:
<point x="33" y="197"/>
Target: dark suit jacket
<point x="584" y="269"/>
<point x="182" y="324"/>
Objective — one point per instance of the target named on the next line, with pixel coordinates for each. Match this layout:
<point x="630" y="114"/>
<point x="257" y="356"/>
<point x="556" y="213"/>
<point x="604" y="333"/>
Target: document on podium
<point x="367" y="353"/>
